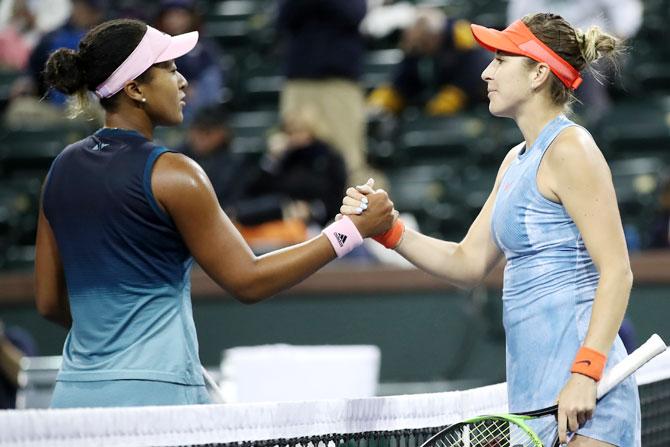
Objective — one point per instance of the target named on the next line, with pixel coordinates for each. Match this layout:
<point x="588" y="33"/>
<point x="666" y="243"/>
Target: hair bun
<point x="63" y="71"/>
<point x="595" y="43"/>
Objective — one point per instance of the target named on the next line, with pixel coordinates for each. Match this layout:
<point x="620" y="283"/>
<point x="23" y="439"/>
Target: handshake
<point x="365" y="212"/>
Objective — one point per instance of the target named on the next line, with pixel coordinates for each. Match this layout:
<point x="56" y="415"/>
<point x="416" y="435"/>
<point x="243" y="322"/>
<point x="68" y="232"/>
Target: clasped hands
<point x="370" y="210"/>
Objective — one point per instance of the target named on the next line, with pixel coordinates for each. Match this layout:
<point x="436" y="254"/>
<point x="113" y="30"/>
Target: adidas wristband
<point x="343" y="236"/>
<point x="590" y="363"/>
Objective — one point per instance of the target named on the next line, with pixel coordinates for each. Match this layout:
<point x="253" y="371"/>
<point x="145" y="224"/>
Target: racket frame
<point x="626" y="367"/>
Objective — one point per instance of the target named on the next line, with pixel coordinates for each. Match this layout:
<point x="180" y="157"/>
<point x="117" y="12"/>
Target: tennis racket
<point x="529" y="429"/>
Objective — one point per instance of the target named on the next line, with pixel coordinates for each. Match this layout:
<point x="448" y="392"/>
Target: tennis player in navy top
<point x="121" y="220"/>
<point x="553" y="215"/>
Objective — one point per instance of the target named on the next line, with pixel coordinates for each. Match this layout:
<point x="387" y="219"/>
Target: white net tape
<point x="202" y="424"/>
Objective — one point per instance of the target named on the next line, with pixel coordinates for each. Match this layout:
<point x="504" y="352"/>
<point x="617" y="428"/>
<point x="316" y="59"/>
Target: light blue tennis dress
<point x="549" y="286"/>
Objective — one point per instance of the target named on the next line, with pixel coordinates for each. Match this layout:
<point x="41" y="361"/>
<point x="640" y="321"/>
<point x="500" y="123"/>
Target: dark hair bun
<point x="63" y="71"/>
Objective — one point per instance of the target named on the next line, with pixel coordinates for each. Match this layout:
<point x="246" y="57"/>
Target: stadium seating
<point x="440" y="169"/>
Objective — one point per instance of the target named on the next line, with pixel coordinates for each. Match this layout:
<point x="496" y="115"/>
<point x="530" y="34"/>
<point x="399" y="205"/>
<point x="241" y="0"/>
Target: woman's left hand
<point x="576" y="403"/>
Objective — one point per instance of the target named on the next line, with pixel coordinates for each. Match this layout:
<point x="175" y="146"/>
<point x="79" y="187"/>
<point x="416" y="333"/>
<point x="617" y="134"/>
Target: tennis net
<point x="392" y="421"/>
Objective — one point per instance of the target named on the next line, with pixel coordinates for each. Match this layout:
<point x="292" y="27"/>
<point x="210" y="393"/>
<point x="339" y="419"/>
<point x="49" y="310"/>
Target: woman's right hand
<point x="370" y="210"/>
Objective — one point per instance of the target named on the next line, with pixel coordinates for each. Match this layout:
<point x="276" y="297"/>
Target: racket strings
<point x="546" y="428"/>
<point x="486" y="433"/>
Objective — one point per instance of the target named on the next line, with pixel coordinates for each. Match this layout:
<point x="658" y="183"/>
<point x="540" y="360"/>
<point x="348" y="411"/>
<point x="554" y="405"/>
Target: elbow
<point x="628" y="277"/>
<point x="468" y="286"/>
<point x="471" y="282"/>
<point x="246" y="297"/>
<point x="249" y="292"/>
<point x="52" y="303"/>
<point x="246" y="285"/>
<point x="625" y="274"/>
<point x="622" y="275"/>
<point x="472" y="277"/>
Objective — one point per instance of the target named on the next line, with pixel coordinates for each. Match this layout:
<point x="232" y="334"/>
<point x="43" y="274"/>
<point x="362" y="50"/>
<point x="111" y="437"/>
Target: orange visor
<point x="518" y="39"/>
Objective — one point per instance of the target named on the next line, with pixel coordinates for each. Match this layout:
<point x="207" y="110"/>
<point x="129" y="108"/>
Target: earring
<point x="144" y="99"/>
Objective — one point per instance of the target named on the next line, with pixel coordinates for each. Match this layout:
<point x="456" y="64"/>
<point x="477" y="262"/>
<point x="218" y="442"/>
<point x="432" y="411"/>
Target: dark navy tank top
<point x="127" y="268"/>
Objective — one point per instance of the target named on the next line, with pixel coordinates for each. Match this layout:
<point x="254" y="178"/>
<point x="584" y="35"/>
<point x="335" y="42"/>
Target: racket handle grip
<point x="650" y="349"/>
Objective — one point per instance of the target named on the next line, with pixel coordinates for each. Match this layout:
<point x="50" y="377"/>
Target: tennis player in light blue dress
<point x="553" y="215"/>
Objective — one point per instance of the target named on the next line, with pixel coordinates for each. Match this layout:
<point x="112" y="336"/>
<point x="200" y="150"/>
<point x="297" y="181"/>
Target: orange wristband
<point x="589" y="362"/>
<point x="391" y="239"/>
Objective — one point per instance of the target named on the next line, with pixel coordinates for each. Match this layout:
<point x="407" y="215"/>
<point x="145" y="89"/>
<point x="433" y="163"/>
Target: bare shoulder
<point x="575" y="150"/>
<point x="177" y="170"/>
<point x="178" y="181"/>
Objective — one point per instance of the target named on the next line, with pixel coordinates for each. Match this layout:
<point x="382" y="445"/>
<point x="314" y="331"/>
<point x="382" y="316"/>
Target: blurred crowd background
<point x="290" y="101"/>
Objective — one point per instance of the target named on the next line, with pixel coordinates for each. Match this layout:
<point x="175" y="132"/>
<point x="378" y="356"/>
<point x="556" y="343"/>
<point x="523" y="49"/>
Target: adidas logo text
<point x="341" y="238"/>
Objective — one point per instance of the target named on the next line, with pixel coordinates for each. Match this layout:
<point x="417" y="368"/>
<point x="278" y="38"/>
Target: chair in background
<point x="291" y="373"/>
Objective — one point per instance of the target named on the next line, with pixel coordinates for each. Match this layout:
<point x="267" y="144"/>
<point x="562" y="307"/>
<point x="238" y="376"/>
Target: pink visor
<point x="518" y="39"/>
<point x="154" y="47"/>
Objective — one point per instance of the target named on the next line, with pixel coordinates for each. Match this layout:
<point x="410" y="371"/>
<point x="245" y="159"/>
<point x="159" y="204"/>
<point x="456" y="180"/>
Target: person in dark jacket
<point x="208" y="142"/>
<point x="299" y="177"/>
<point x="660" y="228"/>
<point x="324" y="53"/>
<point x="200" y="66"/>
<point x="85" y="15"/>
<point x="440" y="68"/>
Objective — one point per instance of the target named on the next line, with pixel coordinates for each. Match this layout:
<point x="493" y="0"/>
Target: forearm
<point x="281" y="269"/>
<point x="609" y="308"/>
<point x="444" y="259"/>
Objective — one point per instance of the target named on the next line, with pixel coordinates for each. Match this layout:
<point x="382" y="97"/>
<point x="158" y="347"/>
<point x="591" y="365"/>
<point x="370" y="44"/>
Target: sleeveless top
<point x="126" y="266"/>
<point x="549" y="285"/>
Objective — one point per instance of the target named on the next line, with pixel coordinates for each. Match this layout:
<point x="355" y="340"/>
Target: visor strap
<point x="539" y="51"/>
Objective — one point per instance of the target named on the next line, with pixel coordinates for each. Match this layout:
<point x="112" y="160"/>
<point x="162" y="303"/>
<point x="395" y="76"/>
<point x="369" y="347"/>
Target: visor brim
<point x="494" y="40"/>
<point x="179" y="46"/>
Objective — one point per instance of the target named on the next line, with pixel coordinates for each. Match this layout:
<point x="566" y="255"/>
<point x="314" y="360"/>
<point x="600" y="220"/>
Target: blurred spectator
<point x="660" y="231"/>
<point x="621" y="18"/>
<point x="26" y="106"/>
<point x="441" y="68"/>
<point x="385" y="18"/>
<point x="628" y="335"/>
<point x="85" y="14"/>
<point x="15" y="343"/>
<point x="132" y="9"/>
<point x="208" y="142"/>
<point x="15" y="30"/>
<point x="300" y="182"/>
<point x="201" y="66"/>
<point x="22" y="23"/>
<point x="324" y="61"/>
